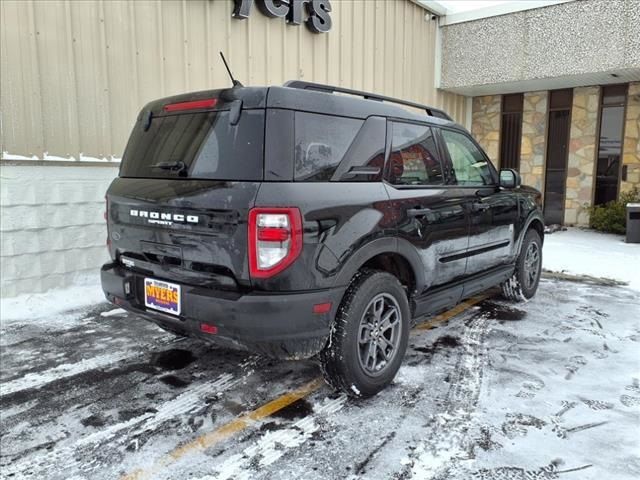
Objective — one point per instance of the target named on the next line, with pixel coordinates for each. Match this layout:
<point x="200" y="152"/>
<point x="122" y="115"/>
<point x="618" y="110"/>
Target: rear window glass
<point x="197" y="145"/>
<point x="321" y="142"/>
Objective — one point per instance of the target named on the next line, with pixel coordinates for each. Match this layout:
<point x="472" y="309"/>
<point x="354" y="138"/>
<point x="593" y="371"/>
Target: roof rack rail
<point x="431" y="111"/>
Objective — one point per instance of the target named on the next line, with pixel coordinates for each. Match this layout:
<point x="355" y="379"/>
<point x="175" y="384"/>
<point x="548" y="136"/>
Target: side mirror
<point x="509" y="178"/>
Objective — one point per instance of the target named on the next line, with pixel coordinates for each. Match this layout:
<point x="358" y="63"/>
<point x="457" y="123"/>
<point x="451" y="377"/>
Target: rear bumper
<point x="281" y="325"/>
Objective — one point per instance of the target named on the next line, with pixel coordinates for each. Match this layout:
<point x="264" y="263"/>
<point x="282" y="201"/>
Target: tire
<point x="523" y="284"/>
<point x="349" y="362"/>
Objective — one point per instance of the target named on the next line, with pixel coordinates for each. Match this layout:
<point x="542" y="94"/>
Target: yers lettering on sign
<point x="318" y="19"/>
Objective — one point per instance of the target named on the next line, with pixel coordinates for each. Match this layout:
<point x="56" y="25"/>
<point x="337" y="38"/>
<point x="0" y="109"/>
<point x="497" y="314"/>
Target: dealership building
<point x="550" y="88"/>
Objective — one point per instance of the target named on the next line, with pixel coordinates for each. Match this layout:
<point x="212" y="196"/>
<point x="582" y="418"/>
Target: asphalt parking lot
<point x="491" y="390"/>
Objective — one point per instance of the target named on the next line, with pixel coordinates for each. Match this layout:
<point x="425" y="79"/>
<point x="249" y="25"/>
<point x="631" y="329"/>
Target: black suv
<point x="312" y="220"/>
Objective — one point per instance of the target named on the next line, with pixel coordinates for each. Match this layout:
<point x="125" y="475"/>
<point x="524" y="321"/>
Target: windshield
<point x="197" y="145"/>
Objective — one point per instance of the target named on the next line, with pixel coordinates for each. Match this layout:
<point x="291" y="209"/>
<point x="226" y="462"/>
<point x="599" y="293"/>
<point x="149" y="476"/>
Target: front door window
<point x="470" y="167"/>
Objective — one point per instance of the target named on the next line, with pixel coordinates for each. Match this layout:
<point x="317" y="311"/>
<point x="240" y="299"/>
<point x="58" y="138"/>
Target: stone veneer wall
<point x="631" y="148"/>
<point x="582" y="153"/>
<point x="532" y="146"/>
<point x="485" y="126"/>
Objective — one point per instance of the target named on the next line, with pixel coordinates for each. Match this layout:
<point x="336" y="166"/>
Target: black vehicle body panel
<point x="466" y="239"/>
<point x="204" y="253"/>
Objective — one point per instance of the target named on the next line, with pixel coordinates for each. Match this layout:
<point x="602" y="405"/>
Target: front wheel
<point x="369" y="336"/>
<point x="523" y="284"/>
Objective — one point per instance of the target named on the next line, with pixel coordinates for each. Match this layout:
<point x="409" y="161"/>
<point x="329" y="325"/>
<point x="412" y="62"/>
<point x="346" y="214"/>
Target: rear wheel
<point x="369" y="335"/>
<point x="523" y="284"/>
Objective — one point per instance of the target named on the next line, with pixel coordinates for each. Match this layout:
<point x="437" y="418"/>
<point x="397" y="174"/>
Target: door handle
<point x="418" y="212"/>
<point x="480" y="207"/>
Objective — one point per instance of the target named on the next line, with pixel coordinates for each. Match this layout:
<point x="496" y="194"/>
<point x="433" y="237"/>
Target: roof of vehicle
<point x="309" y="100"/>
<point x="343" y="105"/>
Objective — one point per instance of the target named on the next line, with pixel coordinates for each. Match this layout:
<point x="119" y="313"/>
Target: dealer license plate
<point x="162" y="296"/>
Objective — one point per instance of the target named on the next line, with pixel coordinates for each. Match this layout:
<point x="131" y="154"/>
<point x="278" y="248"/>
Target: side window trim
<point x="447" y="165"/>
<point x="492" y="168"/>
<point x="354" y="153"/>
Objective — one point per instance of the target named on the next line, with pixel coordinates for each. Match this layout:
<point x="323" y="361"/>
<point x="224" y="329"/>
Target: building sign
<point x="317" y="16"/>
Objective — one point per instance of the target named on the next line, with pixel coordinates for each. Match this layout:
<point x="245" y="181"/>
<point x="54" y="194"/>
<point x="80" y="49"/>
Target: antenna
<point x="235" y="82"/>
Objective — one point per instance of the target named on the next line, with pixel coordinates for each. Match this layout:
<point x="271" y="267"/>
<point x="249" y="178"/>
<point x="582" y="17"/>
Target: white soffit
<point x="538" y="84"/>
<point x="451" y="15"/>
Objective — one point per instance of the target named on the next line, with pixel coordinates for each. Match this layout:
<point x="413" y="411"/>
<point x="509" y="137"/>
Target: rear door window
<point x="321" y="142"/>
<point x="200" y="145"/>
<point x="414" y="158"/>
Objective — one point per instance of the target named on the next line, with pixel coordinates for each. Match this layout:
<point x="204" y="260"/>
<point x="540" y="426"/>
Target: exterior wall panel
<point x="485" y="126"/>
<point x="75" y="74"/>
<point x="571" y="44"/>
<point x="52" y="231"/>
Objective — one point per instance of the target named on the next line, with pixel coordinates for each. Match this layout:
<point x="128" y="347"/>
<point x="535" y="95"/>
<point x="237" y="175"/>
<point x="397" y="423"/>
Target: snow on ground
<point x="51" y="304"/>
<point x="587" y="252"/>
<point x="547" y="389"/>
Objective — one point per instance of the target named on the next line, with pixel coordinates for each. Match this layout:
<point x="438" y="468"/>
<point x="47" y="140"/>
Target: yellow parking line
<point x="210" y="439"/>
<point x="457" y="310"/>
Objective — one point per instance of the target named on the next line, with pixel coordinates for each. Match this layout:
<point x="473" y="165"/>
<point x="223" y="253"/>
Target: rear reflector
<point x="206" y="328"/>
<point x="194" y="105"/>
<point x="322" y="307"/>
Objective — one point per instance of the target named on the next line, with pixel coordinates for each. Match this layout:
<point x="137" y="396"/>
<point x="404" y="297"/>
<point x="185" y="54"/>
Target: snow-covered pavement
<point x="542" y="390"/>
<point x="587" y="252"/>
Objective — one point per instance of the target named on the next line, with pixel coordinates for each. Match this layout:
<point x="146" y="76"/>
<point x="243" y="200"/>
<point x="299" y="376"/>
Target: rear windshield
<point x="197" y="145"/>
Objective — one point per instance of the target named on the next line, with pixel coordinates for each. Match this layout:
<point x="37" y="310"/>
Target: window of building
<point x="321" y="142"/>
<point x="511" y="131"/>
<point x="610" y="143"/>
<point x="557" y="154"/>
<point x="470" y="167"/>
<point x="414" y="159"/>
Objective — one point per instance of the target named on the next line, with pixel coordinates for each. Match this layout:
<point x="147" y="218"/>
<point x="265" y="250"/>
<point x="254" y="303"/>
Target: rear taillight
<point x="275" y="240"/>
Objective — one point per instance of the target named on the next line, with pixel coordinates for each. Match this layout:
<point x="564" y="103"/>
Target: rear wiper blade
<point x="178" y="166"/>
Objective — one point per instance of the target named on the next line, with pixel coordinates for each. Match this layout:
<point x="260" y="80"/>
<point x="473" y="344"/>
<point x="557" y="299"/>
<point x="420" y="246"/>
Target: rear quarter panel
<point x="339" y="219"/>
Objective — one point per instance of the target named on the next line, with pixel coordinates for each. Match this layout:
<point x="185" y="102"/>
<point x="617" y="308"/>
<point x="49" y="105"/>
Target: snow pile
<point x="586" y="252"/>
<point x="57" y="158"/>
<point x="50" y="304"/>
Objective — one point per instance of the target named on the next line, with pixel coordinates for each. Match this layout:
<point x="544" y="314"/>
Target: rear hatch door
<point x="189" y="175"/>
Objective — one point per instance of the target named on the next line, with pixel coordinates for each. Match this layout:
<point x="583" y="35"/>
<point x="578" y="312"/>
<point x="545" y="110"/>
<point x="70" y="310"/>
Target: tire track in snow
<point x="40" y="379"/>
<point x="36" y="380"/>
<point x="446" y="442"/>
<point x="274" y="444"/>
<point x="68" y="457"/>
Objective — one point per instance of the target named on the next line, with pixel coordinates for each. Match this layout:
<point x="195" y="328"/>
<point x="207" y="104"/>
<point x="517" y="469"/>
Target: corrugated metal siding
<point x="75" y="73"/>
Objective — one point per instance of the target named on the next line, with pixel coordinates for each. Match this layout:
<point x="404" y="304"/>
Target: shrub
<point x="612" y="216"/>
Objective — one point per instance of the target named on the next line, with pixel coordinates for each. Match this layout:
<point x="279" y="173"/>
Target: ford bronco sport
<point x="312" y="220"/>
